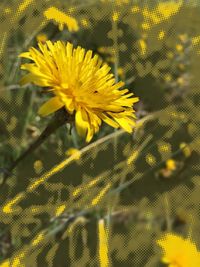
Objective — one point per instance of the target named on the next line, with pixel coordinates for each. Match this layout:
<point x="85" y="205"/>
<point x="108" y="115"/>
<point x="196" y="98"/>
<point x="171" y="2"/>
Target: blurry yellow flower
<point x="168" y="77"/>
<point x="135" y="9"/>
<point x="150" y="159"/>
<point x="61" y="18"/>
<point x="60" y="209"/>
<point x="115" y="16"/>
<point x="7" y="10"/>
<point x="183" y="37"/>
<point x="181" y="81"/>
<point x="38" y="239"/>
<point x="41" y="38"/>
<point x="38" y="166"/>
<point x="85" y="23"/>
<point x="196" y="40"/>
<point x="145" y="26"/>
<point x="168" y="8"/>
<point x="171" y="164"/>
<point x="82" y="85"/>
<point x="132" y="157"/>
<point x="161" y="35"/>
<point x="179" y="47"/>
<point x="122" y="2"/>
<point x="23" y="5"/>
<point x="73" y="151"/>
<point x="163" y="11"/>
<point x="101" y="194"/>
<point x="179" y="252"/>
<point x="15" y="262"/>
<point x="186" y="150"/>
<point x="121" y="72"/>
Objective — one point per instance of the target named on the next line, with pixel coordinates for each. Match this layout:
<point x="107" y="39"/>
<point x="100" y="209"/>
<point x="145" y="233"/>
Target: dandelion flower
<point x="179" y="252"/>
<point x="82" y="85"/>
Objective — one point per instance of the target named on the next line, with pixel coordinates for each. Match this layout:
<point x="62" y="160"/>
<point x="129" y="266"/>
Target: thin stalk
<point x="60" y="118"/>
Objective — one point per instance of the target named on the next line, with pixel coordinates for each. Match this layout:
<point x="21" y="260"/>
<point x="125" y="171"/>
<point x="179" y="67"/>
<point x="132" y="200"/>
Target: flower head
<point x="179" y="252"/>
<point x="81" y="84"/>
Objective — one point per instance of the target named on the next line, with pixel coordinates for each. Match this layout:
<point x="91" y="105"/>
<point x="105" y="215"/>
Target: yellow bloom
<point x="38" y="166"/>
<point x="73" y="152"/>
<point x="186" y="150"/>
<point x="115" y="16"/>
<point x="41" y="38"/>
<point x="81" y="84"/>
<point x="169" y="8"/>
<point x="171" y="164"/>
<point x="62" y="19"/>
<point x="7" y="10"/>
<point x="179" y="252"/>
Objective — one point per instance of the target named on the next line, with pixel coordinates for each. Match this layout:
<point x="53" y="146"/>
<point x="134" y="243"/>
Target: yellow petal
<point x="90" y="134"/>
<point x="35" y="79"/>
<point x="6" y="263"/>
<point x="109" y="121"/>
<point x="25" y="55"/>
<point x="124" y="123"/>
<point x="81" y="120"/>
<point x="69" y="105"/>
<point x="50" y="106"/>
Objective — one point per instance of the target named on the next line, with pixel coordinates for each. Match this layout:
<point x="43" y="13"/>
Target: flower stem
<point x="60" y="118"/>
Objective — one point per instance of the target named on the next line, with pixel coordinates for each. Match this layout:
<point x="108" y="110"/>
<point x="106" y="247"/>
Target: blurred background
<point x="142" y="184"/>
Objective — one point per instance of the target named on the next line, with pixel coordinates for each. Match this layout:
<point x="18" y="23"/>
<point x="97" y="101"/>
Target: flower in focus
<point x="62" y="19"/>
<point x="179" y="252"/>
<point x="81" y="84"/>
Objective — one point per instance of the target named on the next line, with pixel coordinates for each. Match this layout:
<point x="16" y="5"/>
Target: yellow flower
<point x="115" y="16"/>
<point x="41" y="38"/>
<point x="38" y="166"/>
<point x="81" y="84"/>
<point x="171" y="164"/>
<point x="52" y="13"/>
<point x="168" y="8"/>
<point x="179" y="47"/>
<point x="73" y="152"/>
<point x="186" y="150"/>
<point x="7" y="10"/>
<point x="179" y="252"/>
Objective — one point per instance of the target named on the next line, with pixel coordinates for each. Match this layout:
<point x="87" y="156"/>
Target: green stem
<point x="60" y="118"/>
